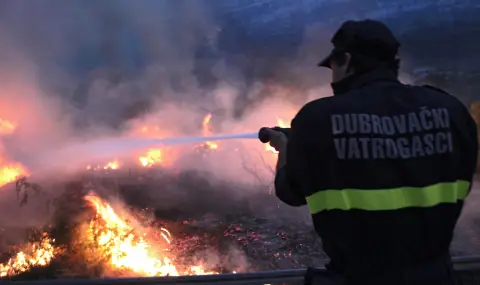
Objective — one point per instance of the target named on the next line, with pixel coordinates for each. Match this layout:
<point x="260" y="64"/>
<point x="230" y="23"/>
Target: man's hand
<point x="278" y="140"/>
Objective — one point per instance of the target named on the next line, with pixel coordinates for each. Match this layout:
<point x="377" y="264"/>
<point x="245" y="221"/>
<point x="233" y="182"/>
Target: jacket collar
<point x="357" y="81"/>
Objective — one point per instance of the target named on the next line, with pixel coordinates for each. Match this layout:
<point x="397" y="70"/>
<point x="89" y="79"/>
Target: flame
<point x="34" y="254"/>
<point x="11" y="172"/>
<point x="280" y="123"/>
<point x="122" y="247"/>
<point x="166" y="156"/>
<point x="152" y="157"/>
<point x="128" y="251"/>
<point x="112" y="165"/>
<point x="207" y="131"/>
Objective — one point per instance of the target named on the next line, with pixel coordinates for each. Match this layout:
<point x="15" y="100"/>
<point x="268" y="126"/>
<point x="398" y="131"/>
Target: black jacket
<point x="384" y="168"/>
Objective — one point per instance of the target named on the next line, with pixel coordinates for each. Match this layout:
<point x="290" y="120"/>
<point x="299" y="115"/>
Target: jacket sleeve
<point x="286" y="190"/>
<point x="288" y="179"/>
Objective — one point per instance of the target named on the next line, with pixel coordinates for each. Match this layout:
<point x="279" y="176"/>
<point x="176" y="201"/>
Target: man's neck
<point x="356" y="80"/>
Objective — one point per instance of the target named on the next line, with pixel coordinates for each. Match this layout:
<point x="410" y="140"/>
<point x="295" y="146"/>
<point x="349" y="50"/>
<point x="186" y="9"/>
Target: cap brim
<point x="325" y="62"/>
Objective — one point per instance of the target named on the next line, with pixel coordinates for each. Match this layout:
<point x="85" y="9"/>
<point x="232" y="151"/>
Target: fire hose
<point x="112" y="147"/>
<point x="464" y="265"/>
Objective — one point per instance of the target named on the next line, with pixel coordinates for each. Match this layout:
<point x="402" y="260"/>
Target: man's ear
<point x="348" y="58"/>
<point x="348" y="68"/>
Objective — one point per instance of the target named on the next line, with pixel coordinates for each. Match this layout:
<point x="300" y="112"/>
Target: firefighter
<point x="383" y="167"/>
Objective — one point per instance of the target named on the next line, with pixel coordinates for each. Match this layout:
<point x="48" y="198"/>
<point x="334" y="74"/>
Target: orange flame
<point x="112" y="165"/>
<point x="152" y="157"/>
<point x="126" y="249"/>
<point x="207" y="131"/>
<point x="11" y="172"/>
<point x="281" y="123"/>
<point x="34" y="254"/>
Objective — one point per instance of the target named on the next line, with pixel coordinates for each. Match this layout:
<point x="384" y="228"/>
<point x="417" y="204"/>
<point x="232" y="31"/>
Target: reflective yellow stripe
<point x="388" y="199"/>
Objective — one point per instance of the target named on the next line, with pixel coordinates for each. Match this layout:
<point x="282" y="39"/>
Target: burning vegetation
<point x="93" y="234"/>
<point x="95" y="237"/>
<point x="173" y="210"/>
<point x="118" y="219"/>
<point x="36" y="253"/>
<point x="112" y="240"/>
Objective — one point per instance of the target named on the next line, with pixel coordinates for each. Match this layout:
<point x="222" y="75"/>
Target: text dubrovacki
<point x="369" y="136"/>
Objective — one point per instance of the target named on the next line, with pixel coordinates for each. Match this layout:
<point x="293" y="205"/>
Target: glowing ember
<point x="34" y="254"/>
<point x="280" y="123"/>
<point x="126" y="250"/>
<point x="207" y="131"/>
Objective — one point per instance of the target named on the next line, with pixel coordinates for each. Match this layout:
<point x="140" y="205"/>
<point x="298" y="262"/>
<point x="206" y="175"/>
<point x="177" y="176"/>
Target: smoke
<point x="85" y="70"/>
<point x="79" y="71"/>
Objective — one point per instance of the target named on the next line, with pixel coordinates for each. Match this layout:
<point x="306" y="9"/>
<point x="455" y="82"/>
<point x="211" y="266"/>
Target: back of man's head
<point x="370" y="44"/>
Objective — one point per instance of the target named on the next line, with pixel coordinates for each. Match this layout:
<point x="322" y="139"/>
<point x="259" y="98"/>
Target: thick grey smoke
<point x="73" y="71"/>
<point x="108" y="58"/>
<point x="89" y="69"/>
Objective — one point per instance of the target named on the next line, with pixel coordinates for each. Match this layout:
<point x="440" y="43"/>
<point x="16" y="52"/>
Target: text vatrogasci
<point x="370" y="136"/>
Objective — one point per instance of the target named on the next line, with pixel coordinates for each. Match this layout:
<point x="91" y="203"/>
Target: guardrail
<point x="291" y="276"/>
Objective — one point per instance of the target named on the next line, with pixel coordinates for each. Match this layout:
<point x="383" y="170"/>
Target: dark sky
<point x="83" y="32"/>
<point x="145" y="46"/>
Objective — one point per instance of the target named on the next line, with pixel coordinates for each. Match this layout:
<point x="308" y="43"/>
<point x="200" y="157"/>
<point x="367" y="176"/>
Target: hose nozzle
<point x="264" y="135"/>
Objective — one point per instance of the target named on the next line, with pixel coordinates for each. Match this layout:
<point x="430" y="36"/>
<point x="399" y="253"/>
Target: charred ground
<point x="209" y="219"/>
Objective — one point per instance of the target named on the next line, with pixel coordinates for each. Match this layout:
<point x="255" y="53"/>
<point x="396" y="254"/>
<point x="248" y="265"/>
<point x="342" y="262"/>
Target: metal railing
<point x="291" y="276"/>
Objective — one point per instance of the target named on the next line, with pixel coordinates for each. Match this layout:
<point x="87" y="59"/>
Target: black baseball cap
<point x="368" y="38"/>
